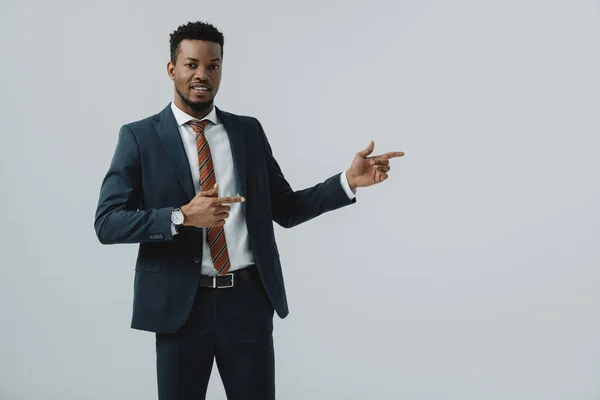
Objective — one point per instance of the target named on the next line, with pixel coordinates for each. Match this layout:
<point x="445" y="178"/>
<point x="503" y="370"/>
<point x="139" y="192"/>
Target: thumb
<point x="210" y="193"/>
<point x="368" y="150"/>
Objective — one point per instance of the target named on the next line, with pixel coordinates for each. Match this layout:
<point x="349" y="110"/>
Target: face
<point x="196" y="75"/>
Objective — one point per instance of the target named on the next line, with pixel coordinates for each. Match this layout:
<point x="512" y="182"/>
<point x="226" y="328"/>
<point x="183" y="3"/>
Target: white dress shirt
<point x="235" y="229"/>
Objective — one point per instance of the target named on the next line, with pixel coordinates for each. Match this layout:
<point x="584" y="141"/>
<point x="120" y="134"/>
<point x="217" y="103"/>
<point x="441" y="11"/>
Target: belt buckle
<point x="228" y="285"/>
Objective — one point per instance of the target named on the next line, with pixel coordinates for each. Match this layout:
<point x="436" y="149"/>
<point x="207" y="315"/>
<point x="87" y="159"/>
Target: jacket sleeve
<point x="118" y="217"/>
<point x="289" y="207"/>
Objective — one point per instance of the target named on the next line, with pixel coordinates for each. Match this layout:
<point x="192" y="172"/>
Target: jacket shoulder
<point x="244" y="119"/>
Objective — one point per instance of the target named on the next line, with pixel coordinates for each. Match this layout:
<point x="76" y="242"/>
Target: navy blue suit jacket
<point x="149" y="175"/>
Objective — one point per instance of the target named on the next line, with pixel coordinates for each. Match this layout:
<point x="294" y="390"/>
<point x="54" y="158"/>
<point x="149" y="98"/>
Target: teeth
<point x="200" y="88"/>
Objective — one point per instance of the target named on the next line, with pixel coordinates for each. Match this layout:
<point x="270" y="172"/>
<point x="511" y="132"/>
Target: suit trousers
<point x="233" y="326"/>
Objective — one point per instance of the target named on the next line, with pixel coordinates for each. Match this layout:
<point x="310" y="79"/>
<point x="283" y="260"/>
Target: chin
<point x="199" y="105"/>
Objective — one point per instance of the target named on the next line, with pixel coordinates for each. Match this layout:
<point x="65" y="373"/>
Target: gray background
<point x="472" y="273"/>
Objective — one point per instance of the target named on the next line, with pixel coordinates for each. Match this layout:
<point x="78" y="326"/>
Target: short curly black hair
<point x="195" y="30"/>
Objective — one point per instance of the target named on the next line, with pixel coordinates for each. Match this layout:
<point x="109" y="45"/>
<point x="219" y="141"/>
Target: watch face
<point x="177" y="217"/>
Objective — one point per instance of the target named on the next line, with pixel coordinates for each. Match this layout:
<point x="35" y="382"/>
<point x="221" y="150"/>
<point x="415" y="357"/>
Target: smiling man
<point x="207" y="288"/>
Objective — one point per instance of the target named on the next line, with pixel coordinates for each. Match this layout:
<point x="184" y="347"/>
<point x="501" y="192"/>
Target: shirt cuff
<point x="344" y="181"/>
<point x="174" y="230"/>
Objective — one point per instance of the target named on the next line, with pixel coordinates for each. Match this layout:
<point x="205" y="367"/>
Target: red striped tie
<point x="215" y="236"/>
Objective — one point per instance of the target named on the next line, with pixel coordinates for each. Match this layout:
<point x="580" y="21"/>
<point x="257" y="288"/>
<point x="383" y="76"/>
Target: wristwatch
<point x="177" y="217"/>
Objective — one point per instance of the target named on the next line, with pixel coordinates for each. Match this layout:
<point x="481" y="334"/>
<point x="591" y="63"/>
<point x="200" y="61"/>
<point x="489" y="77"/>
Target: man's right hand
<point x="207" y="210"/>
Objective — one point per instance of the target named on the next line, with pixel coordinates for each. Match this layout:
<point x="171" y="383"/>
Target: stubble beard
<point x="195" y="105"/>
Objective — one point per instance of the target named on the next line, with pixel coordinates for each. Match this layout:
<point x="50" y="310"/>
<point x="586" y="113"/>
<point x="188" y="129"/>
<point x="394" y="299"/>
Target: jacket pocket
<point x="148" y="265"/>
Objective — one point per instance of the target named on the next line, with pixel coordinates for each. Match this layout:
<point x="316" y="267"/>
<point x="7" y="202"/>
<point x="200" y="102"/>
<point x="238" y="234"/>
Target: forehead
<point x="199" y="49"/>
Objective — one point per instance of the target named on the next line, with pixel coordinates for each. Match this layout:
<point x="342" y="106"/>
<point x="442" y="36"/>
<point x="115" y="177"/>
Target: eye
<point x="191" y="65"/>
<point x="214" y="67"/>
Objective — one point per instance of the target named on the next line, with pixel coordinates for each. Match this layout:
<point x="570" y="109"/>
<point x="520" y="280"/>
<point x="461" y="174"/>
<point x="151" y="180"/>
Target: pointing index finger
<point x="232" y="199"/>
<point x="387" y="156"/>
<point x="393" y="154"/>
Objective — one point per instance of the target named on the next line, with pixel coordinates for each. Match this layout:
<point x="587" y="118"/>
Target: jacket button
<point x="197" y="260"/>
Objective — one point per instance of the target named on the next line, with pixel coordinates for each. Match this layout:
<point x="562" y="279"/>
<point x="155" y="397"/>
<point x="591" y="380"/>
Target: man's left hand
<point x="367" y="171"/>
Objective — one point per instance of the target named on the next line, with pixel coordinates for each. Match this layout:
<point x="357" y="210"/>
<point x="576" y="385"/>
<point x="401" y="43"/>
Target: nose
<point x="202" y="74"/>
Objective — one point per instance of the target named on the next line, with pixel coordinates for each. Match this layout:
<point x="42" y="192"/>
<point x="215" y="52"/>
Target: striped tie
<point x="215" y="236"/>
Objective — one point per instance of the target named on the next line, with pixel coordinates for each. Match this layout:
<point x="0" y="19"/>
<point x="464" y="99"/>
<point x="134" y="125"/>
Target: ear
<point x="171" y="70"/>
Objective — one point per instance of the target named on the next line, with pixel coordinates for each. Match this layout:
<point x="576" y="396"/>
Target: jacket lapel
<point x="237" y="140"/>
<point x="168" y="132"/>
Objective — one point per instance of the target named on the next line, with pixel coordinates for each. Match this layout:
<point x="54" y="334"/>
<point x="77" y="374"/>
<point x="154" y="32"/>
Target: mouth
<point x="200" y="89"/>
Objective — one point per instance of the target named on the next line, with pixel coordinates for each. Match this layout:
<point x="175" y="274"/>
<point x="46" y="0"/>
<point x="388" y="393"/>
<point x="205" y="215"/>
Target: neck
<point x="196" y="113"/>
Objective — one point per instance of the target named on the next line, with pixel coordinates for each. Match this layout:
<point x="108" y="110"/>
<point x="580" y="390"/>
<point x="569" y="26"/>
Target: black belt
<point x="229" y="280"/>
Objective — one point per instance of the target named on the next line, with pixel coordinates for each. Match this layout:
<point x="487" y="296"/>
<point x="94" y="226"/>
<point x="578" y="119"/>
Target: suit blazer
<point x="149" y="175"/>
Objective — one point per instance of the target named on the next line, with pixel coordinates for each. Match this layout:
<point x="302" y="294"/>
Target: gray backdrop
<point x="472" y="273"/>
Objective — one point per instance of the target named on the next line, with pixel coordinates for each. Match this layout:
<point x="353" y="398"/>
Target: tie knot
<point x="198" y="126"/>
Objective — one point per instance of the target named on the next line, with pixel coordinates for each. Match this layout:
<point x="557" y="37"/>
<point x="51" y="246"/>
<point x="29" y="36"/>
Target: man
<point x="207" y="288"/>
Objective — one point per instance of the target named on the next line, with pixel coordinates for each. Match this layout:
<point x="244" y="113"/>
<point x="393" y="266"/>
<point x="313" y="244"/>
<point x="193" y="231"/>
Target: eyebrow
<point x="193" y="59"/>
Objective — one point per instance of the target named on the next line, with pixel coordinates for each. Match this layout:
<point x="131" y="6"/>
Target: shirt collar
<point x="182" y="117"/>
